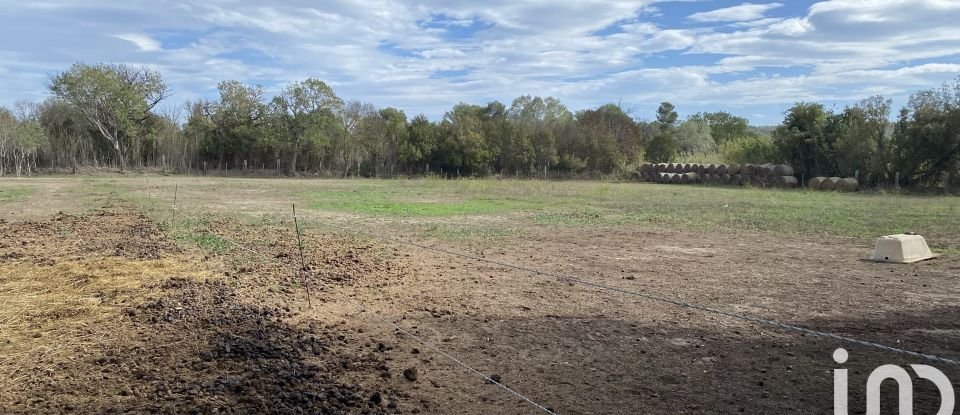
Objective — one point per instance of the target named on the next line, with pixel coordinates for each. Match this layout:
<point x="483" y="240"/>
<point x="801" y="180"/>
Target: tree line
<point x="111" y="116"/>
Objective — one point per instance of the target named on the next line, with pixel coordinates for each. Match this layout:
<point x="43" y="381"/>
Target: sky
<point x="750" y="59"/>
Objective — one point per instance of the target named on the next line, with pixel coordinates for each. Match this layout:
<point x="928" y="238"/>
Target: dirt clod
<point x="410" y="374"/>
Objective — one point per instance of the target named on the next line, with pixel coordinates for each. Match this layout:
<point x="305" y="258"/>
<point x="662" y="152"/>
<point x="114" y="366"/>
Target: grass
<point x="387" y="203"/>
<point x="192" y="231"/>
<point x="14" y="194"/>
<point x="495" y="210"/>
<point x="204" y="240"/>
<point x="584" y="204"/>
<point x="49" y="309"/>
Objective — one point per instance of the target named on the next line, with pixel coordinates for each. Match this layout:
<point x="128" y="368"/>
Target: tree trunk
<point x="293" y="163"/>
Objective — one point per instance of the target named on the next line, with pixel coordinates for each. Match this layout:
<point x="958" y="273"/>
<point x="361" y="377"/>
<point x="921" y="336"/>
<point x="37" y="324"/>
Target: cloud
<point x="742" y="13"/>
<point x="143" y="42"/>
<point x="428" y="55"/>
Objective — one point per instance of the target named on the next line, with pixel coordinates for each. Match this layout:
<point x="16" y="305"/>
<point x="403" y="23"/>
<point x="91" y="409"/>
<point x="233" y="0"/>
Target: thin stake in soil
<point x="303" y="265"/>
<point x="176" y="190"/>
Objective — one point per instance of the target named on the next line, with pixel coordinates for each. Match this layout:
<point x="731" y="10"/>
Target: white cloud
<point x="404" y="54"/>
<point x="742" y="13"/>
<point x="143" y="42"/>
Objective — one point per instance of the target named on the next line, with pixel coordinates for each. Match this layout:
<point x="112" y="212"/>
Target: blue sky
<point x="752" y="59"/>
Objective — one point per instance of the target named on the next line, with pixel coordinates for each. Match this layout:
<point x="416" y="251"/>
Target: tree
<point x="8" y="129"/>
<point x="116" y="99"/>
<point x="395" y="131"/>
<point x="927" y="134"/>
<point x="462" y="145"/>
<point x="802" y="139"/>
<point x="876" y="123"/>
<point x="663" y="147"/>
<point x="693" y="136"/>
<point x="303" y="108"/>
<point x="723" y="125"/>
<point x="66" y="128"/>
<point x="420" y="141"/>
<point x="748" y="149"/>
<point x="666" y="115"/>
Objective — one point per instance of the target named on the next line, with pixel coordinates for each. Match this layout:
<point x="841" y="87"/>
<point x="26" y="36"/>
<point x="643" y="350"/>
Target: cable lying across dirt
<point x="654" y="297"/>
<point x="361" y="308"/>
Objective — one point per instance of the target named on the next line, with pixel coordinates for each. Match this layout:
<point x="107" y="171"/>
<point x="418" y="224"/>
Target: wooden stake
<point x="303" y="265"/>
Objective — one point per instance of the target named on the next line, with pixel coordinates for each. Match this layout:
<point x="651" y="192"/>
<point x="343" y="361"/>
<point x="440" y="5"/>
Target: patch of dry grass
<point x="70" y="306"/>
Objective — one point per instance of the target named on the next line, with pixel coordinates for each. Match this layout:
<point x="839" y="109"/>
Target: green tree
<point x="663" y="146"/>
<point x="803" y="140"/>
<point x="420" y="141"/>
<point x="861" y="141"/>
<point x="116" y="99"/>
<point x="462" y="145"/>
<point x="750" y="148"/>
<point x="304" y="108"/>
<point x="693" y="136"/>
<point x="723" y="125"/>
<point x="927" y="134"/>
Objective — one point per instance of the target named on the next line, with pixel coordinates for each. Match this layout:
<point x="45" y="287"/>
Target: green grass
<point x="204" y="240"/>
<point x="14" y="194"/>
<point x="591" y="204"/>
<point x="475" y="210"/>
<point x="484" y="235"/>
<point x="383" y="202"/>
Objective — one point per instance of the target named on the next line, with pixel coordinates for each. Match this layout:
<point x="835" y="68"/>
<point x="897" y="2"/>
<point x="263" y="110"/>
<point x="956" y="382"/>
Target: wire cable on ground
<point x="361" y="308"/>
<point x="654" y="297"/>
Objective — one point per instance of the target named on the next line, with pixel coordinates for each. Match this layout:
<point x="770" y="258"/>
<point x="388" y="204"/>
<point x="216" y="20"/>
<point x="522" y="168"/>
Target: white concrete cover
<point x="901" y="249"/>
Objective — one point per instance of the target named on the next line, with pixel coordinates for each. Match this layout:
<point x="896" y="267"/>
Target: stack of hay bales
<point x="764" y="175"/>
<point x="846" y="184"/>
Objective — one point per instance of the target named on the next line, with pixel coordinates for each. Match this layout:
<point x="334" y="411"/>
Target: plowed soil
<point x="104" y="313"/>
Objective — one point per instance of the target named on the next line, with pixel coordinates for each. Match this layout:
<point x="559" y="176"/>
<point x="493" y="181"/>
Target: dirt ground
<point x="104" y="313"/>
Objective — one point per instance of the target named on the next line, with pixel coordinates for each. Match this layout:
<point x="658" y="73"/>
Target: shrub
<point x="754" y="149"/>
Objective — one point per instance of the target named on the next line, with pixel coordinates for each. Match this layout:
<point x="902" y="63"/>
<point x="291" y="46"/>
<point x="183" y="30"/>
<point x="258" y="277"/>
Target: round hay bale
<point x="701" y="169"/>
<point x="786" y="181"/>
<point x="691" y="177"/>
<point x="848" y="184"/>
<point x="782" y="170"/>
<point x="737" y="180"/>
<point x="637" y="176"/>
<point x="756" y="180"/>
<point x="659" y="167"/>
<point x="725" y="179"/>
<point x="686" y="168"/>
<point x="765" y="170"/>
<point x="829" y="184"/>
<point x="711" y="168"/>
<point x="748" y="170"/>
<point x="664" y="178"/>
<point x="645" y="167"/>
<point x="733" y="169"/>
<point x="814" y="183"/>
<point x="677" y="178"/>
<point x="721" y="169"/>
<point x="670" y="168"/>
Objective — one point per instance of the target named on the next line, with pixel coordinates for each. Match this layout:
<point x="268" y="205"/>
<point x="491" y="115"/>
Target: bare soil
<point x="231" y="332"/>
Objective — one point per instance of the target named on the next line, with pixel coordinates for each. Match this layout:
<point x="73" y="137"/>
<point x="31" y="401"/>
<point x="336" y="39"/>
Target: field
<point x="112" y="301"/>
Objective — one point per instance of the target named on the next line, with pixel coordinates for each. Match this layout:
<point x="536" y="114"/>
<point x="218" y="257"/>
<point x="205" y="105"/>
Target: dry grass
<point x="51" y="310"/>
